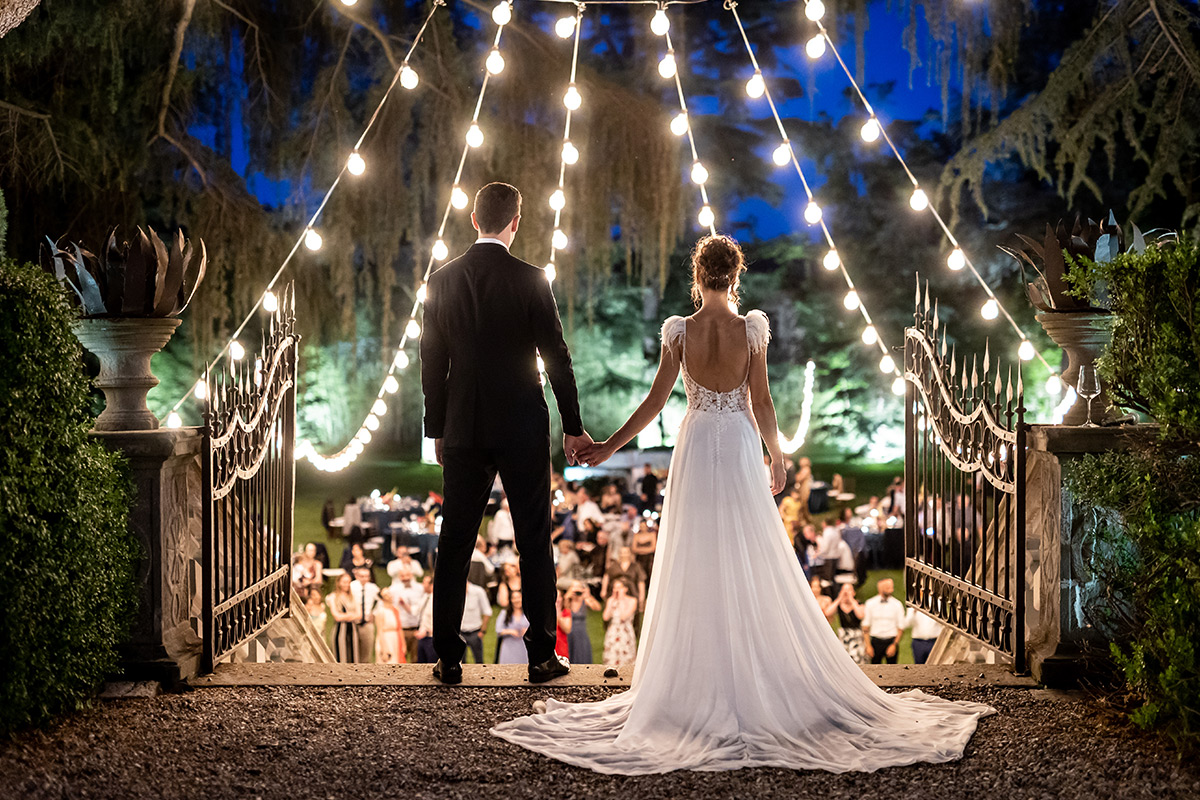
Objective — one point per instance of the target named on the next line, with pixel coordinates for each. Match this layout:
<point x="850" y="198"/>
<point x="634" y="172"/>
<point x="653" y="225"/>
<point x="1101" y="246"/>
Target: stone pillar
<point x="1062" y="594"/>
<point x="165" y="468"/>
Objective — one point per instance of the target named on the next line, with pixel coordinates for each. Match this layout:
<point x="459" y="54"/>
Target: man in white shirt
<point x="366" y="592"/>
<point x="587" y="508"/>
<point x="883" y="624"/>
<point x="500" y="530"/>
<point x="426" y="654"/>
<point x="408" y="595"/>
<point x="476" y="614"/>
<point x="404" y="560"/>
<point x="925" y="632"/>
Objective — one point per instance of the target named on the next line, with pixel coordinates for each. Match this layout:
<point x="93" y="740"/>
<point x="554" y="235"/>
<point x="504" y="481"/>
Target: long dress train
<point x="737" y="666"/>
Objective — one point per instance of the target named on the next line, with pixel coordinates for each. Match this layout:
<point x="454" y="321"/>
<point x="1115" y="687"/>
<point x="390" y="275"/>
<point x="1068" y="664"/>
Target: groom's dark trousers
<point x="487" y="317"/>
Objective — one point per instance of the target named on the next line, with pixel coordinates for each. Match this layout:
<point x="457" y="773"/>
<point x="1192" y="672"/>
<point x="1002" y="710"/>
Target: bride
<point x="736" y="666"/>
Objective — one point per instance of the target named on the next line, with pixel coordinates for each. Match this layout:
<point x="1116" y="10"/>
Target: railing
<point x="964" y="469"/>
<point x="249" y="488"/>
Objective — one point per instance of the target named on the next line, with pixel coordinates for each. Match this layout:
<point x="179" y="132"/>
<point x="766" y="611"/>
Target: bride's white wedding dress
<point x="737" y="666"/>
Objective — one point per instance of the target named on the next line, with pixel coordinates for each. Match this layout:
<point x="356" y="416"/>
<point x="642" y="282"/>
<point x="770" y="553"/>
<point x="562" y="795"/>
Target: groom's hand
<point x="573" y="445"/>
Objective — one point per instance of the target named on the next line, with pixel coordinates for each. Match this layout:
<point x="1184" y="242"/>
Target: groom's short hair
<point x="496" y="205"/>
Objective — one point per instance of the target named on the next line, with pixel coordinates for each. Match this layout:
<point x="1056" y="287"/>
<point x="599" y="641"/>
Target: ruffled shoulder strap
<point x="758" y="330"/>
<point x="673" y="332"/>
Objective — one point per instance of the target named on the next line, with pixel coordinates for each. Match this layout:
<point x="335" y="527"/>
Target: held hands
<point x="575" y="446"/>
<point x="598" y="453"/>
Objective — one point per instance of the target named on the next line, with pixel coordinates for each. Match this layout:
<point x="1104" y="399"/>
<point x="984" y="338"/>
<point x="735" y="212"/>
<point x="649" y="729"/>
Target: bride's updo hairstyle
<point x="717" y="264"/>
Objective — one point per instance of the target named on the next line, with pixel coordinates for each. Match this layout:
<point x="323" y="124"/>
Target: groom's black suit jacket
<point x="487" y="316"/>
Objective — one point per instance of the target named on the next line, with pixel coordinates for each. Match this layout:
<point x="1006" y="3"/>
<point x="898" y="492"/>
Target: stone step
<point x="486" y="675"/>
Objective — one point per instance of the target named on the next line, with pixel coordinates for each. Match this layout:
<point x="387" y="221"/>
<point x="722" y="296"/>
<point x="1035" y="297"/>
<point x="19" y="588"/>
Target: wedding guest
<point x="408" y="596"/>
<point x="883" y="624"/>
<point x="366" y="594"/>
<point x="353" y="558"/>
<point x="790" y="508"/>
<point x="562" y="642"/>
<point x="510" y="581"/>
<point x="649" y="489"/>
<point x="328" y="515"/>
<point x="644" y="545"/>
<point x="481" y="570"/>
<point x="307" y="573"/>
<point x="500" y="530"/>
<point x="850" y="614"/>
<point x="587" y="509"/>
<point x="425" y="651"/>
<point x="610" y="500"/>
<point x="476" y="614"/>
<point x="620" y="644"/>
<point x="314" y="604"/>
<point x="925" y="631"/>
<point x="570" y="568"/>
<point x="345" y="612"/>
<point x="388" y="641"/>
<point x="595" y="553"/>
<point x="625" y="568"/>
<point x="404" y="560"/>
<point x="823" y="600"/>
<point x="579" y="643"/>
<point x="511" y="625"/>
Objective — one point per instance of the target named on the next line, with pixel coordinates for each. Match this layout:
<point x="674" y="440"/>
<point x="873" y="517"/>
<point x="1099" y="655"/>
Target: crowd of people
<point x="605" y="535"/>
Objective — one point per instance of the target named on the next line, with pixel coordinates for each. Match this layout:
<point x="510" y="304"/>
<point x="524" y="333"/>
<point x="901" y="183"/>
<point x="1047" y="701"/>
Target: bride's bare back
<point x="715" y="352"/>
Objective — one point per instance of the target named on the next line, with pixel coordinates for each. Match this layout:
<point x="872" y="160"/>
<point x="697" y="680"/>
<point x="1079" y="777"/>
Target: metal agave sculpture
<point x="142" y="278"/>
<point x="1050" y="290"/>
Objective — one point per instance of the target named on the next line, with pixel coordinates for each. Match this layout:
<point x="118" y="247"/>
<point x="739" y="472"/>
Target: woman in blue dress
<point x="510" y="631"/>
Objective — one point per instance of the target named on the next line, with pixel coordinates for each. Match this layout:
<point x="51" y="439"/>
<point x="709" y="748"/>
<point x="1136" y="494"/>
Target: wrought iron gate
<point x="964" y="483"/>
<point x="249" y="486"/>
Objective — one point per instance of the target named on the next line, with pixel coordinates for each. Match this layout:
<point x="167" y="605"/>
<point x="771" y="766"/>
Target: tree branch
<point x="172" y="70"/>
<point x="1192" y="68"/>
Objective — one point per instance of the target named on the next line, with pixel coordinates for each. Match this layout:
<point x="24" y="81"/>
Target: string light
<point x="870" y="335"/>
<point x="236" y="351"/>
<point x="559" y="239"/>
<point x="792" y="444"/>
<point x="898" y="386"/>
<point x="755" y="87"/>
<point x="659" y="24"/>
<point x="174" y="420"/>
<point x="313" y="240"/>
<point x="558" y="200"/>
<point x="887" y="364"/>
<point x="379" y="408"/>
<point x="1054" y="385"/>
<point x="1026" y="351"/>
<point x="270" y="302"/>
<point x="355" y="164"/>
<point x="365" y="436"/>
<point x="409" y="78"/>
<point x="699" y="173"/>
<point x="474" y="135"/>
<point x="565" y="27"/>
<point x="851" y="301"/>
<point x="919" y="200"/>
<point x="412" y="330"/>
<point x="706" y="217"/>
<point x="372" y="422"/>
<point x="815" y="47"/>
<point x="814" y="10"/>
<point x="391" y="385"/>
<point x="812" y="213"/>
<point x="990" y="310"/>
<point x="667" y="66"/>
<point x="782" y="154"/>
<point x="956" y="260"/>
<point x="832" y="260"/>
<point x="440" y="250"/>
<point x="401" y="361"/>
<point x="348" y="3"/>
<point x="458" y="198"/>
<point x="679" y="124"/>
<point x="422" y="292"/>
<point x="870" y="129"/>
<point x="495" y="62"/>
<point x="200" y="390"/>
<point x="551" y="272"/>
<point x="570" y="153"/>
<point x="572" y="99"/>
<point x="502" y="13"/>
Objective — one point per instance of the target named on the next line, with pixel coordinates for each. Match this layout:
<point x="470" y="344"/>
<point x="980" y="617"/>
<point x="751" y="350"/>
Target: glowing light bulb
<point x="422" y="293"/>
<point x="1054" y="385"/>
<point x="919" y="200"/>
<point x="200" y="389"/>
<point x="558" y="200"/>
<point x="270" y="302"/>
<point x="814" y="10"/>
<point x="887" y="364"/>
<point x="401" y="360"/>
<point x="412" y="329"/>
<point x="572" y="99"/>
<point x="870" y="335"/>
<point x="706" y="217"/>
<point x="756" y="86"/>
<point x="474" y="135"/>
<point x="372" y="422"/>
<point x="659" y="25"/>
<point x="349" y="3"/>
<point x="313" y="240"/>
<point x="495" y="62"/>
<point x="679" y="123"/>
<point x="782" y="154"/>
<point x="174" y="420"/>
<point x="409" y="77"/>
<point x="667" y="67"/>
<point x="551" y="273"/>
<point x="391" y="385"/>
<point x="815" y="47"/>
<point x="458" y="198"/>
<point x="871" y="130"/>
<point x="832" y="260"/>
<point x="440" y="251"/>
<point x="570" y="153"/>
<point x="812" y="213"/>
<point x="364" y="436"/>
<point x="956" y="260"/>
<point x="565" y="27"/>
<point x="1026" y="351"/>
<point x="699" y="173"/>
<point x="850" y="301"/>
<point x="990" y="310"/>
<point x="355" y="164"/>
<point x="502" y="13"/>
<point x="559" y="239"/>
<point x="236" y="351"/>
<point x="898" y="386"/>
<point x="379" y="408"/>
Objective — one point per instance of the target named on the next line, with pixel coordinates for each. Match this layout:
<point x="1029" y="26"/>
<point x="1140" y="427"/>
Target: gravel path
<point x="403" y="742"/>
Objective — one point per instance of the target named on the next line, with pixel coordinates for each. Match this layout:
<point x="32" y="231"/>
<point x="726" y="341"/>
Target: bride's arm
<point x="764" y="415"/>
<point x="660" y="392"/>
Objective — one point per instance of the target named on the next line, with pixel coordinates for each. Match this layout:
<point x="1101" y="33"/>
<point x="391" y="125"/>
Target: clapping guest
<point x="366" y="595"/>
<point x="511" y="625"/>
<point x="405" y="561"/>
<point x="625" y="568"/>
<point x="620" y="643"/>
<point x="577" y="601"/>
<point x="389" y="647"/>
<point x="346" y="612"/>
<point x="850" y="614"/>
<point x="883" y="624"/>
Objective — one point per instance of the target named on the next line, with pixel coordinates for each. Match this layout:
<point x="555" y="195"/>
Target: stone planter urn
<point x="125" y="346"/>
<point x="1082" y="335"/>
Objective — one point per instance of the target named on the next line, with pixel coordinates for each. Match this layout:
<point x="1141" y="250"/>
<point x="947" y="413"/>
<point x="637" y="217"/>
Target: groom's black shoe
<point x="554" y="667"/>
<point x="447" y="673"/>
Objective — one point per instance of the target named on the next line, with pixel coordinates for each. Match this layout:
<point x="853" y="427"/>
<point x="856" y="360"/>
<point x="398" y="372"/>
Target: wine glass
<point x="1089" y="389"/>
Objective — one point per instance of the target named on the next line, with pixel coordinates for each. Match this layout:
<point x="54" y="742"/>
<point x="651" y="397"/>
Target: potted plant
<point x="131" y="297"/>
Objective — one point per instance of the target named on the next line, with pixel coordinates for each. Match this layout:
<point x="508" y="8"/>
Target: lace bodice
<point x="701" y="398"/>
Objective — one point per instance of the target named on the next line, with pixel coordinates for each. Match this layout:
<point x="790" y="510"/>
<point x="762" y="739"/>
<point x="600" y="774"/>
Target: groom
<point x="487" y="317"/>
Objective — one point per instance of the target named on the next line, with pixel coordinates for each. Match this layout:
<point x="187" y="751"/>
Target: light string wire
<point x="813" y="215"/>
<point x="570" y="154"/>
<point x="791" y="444"/>
<point x="173" y="414"/>
<point x="349" y="452"/>
<point x="814" y="10"/>
<point x="706" y="217"/>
